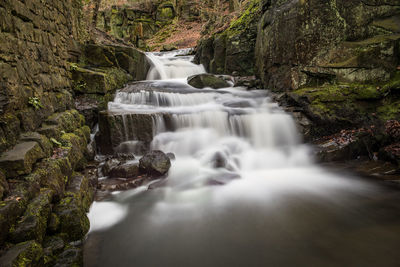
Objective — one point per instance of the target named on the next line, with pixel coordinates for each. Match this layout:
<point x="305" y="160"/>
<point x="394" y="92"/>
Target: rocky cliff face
<point x="311" y="42"/>
<point x="232" y="51"/>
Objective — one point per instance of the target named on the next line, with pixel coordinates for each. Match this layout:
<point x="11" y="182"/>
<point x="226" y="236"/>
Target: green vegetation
<point x="35" y="102"/>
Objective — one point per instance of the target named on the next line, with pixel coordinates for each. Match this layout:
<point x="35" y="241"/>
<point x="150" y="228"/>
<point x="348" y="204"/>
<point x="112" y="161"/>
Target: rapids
<point x="243" y="191"/>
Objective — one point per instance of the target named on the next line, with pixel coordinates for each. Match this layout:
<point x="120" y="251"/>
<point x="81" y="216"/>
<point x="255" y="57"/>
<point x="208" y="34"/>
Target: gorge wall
<point x="311" y="42"/>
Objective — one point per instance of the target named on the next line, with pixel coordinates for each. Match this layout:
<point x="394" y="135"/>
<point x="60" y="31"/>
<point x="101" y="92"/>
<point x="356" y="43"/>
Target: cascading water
<point x="243" y="190"/>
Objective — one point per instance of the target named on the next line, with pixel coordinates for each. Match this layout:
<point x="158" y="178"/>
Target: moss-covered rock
<point x="232" y="51"/>
<point x="25" y="254"/>
<point x="21" y="158"/>
<point x="98" y="81"/>
<point x="336" y="106"/>
<point x="307" y="43"/>
<point x="73" y="220"/>
<point x="32" y="226"/>
<point x="75" y="146"/>
<point x="43" y="141"/>
<point x="50" y="176"/>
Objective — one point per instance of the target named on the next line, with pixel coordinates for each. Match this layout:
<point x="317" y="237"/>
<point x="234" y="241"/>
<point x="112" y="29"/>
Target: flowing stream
<point x="242" y="191"/>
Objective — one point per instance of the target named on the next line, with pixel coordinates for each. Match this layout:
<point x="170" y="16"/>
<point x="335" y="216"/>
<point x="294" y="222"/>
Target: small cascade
<point x="172" y="65"/>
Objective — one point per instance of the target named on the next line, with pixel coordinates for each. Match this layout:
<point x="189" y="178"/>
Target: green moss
<point x="245" y="20"/>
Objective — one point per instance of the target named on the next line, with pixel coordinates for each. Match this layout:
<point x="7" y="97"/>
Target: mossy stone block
<point x="20" y="159"/>
<point x="32" y="226"/>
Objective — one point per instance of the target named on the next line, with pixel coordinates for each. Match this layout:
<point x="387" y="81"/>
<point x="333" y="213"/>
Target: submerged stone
<point x="208" y="80"/>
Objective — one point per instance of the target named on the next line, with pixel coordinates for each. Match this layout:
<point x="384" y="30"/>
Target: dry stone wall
<point x="37" y="39"/>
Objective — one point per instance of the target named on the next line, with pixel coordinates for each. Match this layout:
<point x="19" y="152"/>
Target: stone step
<point x="20" y="159"/>
<point x="115" y="128"/>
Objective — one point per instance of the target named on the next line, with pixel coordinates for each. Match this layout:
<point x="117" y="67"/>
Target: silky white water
<point x="242" y="191"/>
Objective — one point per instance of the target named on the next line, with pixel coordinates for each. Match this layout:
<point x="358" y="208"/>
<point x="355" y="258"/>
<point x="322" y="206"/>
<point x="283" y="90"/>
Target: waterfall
<point x="243" y="190"/>
<point x="169" y="66"/>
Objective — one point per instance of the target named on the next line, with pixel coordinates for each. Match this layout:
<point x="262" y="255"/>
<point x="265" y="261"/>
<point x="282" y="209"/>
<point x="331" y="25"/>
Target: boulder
<point x="109" y="165"/>
<point x="155" y="163"/>
<point x="24" y="254"/>
<point x="168" y="47"/>
<point x="21" y="158"/>
<point x="208" y="80"/>
<point x="127" y="170"/>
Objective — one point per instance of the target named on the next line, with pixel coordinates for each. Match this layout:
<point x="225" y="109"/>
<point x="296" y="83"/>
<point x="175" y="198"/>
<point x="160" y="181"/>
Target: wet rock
<point x="125" y="156"/>
<point x="171" y="156"/>
<point x="109" y="165"/>
<point x="116" y="128"/>
<point x="219" y="160"/>
<point x="117" y="184"/>
<point x="155" y="163"/>
<point x="24" y="254"/>
<point x="127" y="170"/>
<point x="89" y="107"/>
<point x="208" y="80"/>
<point x="32" y="226"/>
<point x="21" y="158"/>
